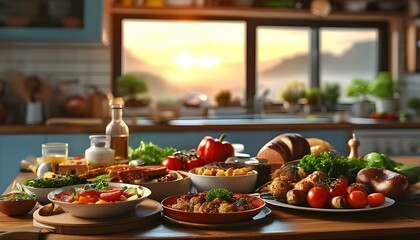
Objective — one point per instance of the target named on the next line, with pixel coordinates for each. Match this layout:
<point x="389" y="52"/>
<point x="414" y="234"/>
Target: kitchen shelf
<point x="85" y="27"/>
<point x="254" y="12"/>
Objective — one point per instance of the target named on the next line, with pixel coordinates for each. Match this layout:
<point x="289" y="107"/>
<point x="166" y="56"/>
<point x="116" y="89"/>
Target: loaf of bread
<point x="284" y="148"/>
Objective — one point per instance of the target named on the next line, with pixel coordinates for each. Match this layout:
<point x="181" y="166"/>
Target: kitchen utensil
<point x="33" y="87"/>
<point x="33" y="112"/>
<point x="17" y="82"/>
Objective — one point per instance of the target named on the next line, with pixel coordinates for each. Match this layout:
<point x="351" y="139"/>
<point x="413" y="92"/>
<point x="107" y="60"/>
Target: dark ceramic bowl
<point x="16" y="208"/>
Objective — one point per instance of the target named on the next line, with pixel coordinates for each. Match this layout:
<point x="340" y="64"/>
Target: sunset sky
<point x="209" y="55"/>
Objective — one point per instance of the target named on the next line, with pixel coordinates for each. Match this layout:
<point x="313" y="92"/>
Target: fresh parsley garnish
<point x="221" y="193"/>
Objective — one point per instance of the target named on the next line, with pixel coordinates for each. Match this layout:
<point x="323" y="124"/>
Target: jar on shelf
<point x="100" y="154"/>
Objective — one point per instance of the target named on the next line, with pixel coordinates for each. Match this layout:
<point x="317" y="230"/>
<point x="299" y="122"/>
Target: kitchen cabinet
<point x="413" y="46"/>
<point x="48" y="21"/>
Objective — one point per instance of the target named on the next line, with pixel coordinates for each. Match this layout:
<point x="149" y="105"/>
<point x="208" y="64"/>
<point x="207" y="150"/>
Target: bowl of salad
<point x="99" y="199"/>
<point x="42" y="186"/>
<point x="16" y="204"/>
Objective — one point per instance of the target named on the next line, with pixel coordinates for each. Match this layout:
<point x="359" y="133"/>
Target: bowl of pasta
<point x="238" y="180"/>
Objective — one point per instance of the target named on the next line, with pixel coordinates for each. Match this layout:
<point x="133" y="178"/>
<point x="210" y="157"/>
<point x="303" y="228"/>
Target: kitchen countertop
<point x="141" y="125"/>
<point x="399" y="221"/>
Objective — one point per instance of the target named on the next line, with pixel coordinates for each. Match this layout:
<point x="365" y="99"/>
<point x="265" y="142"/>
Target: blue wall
<point x="14" y="148"/>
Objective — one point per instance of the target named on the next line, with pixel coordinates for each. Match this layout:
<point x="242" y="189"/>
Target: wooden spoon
<point x="33" y="87"/>
<point x="17" y="82"/>
<point x="49" y="210"/>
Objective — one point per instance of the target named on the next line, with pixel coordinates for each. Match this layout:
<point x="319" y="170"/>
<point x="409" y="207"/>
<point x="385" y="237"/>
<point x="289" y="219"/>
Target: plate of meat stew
<point x="195" y="207"/>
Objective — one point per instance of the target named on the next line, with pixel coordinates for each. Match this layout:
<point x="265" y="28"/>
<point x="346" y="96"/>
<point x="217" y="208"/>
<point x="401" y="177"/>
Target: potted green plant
<point x="359" y="88"/>
<point x="414" y="104"/>
<point x="312" y="99"/>
<point x="330" y="93"/>
<point x="292" y="92"/>
<point x="384" y="89"/>
<point x="134" y="90"/>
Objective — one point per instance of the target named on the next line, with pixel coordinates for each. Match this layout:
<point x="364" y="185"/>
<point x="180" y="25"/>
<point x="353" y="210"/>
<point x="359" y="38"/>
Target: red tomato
<point x="87" y="199"/>
<point x="173" y="163"/>
<point x="110" y="196"/>
<point x="318" y="196"/>
<point x="90" y="193"/>
<point x="193" y="163"/>
<point x="356" y="187"/>
<point x="375" y="199"/>
<point x="338" y="188"/>
<point x="390" y="116"/>
<point x="357" y="199"/>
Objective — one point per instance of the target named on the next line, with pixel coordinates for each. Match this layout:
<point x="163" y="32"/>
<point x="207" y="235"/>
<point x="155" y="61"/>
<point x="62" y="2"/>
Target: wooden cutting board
<point x="146" y="212"/>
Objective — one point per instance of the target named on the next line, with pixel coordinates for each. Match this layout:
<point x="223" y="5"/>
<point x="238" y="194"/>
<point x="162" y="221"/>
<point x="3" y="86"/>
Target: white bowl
<point x="162" y="190"/>
<point x="41" y="193"/>
<point x="99" y="210"/>
<point x="236" y="184"/>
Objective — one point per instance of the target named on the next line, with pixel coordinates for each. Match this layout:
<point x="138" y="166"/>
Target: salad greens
<point x="151" y="153"/>
<point x="329" y="164"/>
<point x="335" y="166"/>
<point x="97" y="184"/>
<point x="54" y="182"/>
<point x="221" y="193"/>
<point x="380" y="160"/>
<point x="18" y="197"/>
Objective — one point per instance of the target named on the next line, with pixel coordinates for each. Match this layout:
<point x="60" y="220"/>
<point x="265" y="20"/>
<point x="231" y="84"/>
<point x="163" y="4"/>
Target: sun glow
<point x="186" y="61"/>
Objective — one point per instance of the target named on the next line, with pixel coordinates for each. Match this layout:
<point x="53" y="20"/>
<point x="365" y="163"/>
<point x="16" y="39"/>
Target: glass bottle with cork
<point x="118" y="131"/>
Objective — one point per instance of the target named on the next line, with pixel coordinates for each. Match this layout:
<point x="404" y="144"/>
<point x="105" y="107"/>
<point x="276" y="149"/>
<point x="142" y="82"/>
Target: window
<point x="247" y="55"/>
<point x="346" y="54"/>
<point x="283" y="55"/>
<point x="177" y="57"/>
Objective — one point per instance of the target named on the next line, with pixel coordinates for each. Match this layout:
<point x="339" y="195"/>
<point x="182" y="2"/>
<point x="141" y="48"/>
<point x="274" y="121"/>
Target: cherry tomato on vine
<point x="356" y="187"/>
<point x="375" y="199"/>
<point x="357" y="199"/>
<point x="338" y="188"/>
<point x="318" y="196"/>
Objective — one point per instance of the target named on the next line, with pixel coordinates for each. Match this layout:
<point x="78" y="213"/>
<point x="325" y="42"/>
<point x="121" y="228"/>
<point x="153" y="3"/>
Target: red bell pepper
<point x="215" y="150"/>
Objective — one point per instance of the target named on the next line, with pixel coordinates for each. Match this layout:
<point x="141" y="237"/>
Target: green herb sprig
<point x="221" y="193"/>
<point x="55" y="181"/>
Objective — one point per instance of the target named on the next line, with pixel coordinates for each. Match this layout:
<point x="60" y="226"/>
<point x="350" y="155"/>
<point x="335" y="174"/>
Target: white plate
<point x="388" y="202"/>
<point x="100" y="210"/>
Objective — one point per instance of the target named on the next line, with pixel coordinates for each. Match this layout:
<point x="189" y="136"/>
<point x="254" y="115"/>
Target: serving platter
<point x="388" y="202"/>
<point x="145" y="213"/>
<point x="257" y="219"/>
<point x="213" y="218"/>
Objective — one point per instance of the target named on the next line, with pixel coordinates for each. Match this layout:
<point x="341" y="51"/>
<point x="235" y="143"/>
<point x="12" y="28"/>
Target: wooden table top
<point x="399" y="221"/>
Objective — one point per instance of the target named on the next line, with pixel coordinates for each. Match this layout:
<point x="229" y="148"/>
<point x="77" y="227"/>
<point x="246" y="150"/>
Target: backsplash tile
<point x="86" y="63"/>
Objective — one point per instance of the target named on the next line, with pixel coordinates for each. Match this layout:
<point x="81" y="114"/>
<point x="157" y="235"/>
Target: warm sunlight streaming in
<point x="186" y="60"/>
<point x="177" y="57"/>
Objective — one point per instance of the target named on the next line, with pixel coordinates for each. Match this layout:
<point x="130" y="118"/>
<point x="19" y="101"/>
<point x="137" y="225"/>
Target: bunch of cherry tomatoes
<point x="354" y="195"/>
<point x="183" y="160"/>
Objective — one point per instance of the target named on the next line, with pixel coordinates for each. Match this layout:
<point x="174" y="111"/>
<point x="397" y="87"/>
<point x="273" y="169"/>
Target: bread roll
<point x="284" y="148"/>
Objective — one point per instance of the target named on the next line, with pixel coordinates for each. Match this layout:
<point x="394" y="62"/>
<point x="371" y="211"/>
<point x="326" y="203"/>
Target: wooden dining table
<point x="398" y="221"/>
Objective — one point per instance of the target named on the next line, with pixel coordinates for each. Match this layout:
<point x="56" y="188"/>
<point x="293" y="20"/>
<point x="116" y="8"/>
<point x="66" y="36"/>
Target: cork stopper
<point x="117" y="102"/>
<point x="353" y="145"/>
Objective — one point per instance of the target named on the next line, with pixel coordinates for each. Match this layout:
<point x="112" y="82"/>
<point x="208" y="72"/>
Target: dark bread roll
<point x="387" y="182"/>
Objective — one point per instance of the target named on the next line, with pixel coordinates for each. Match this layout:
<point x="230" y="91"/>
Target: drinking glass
<point x="54" y="153"/>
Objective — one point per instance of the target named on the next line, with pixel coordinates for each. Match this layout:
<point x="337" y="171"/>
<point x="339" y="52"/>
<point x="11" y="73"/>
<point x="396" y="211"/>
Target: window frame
<point x="252" y="23"/>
